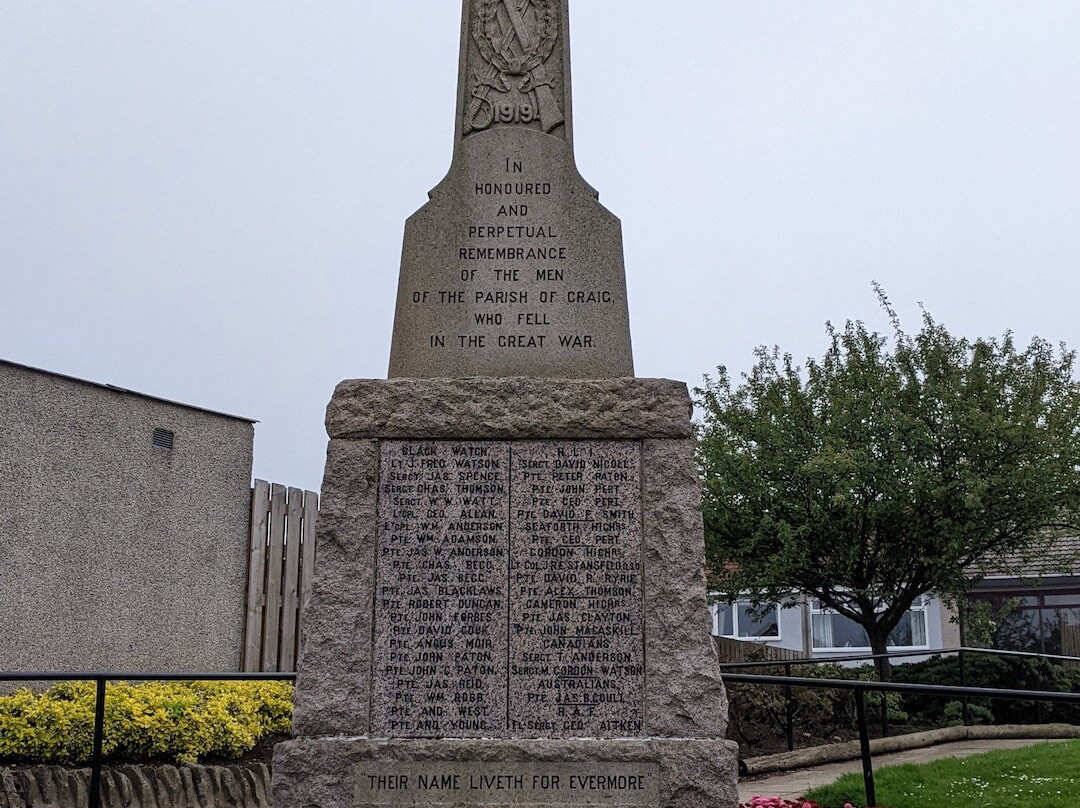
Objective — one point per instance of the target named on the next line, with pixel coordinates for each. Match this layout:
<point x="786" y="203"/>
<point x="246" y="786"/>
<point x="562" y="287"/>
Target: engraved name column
<point x="576" y="639"/>
<point x="440" y="607"/>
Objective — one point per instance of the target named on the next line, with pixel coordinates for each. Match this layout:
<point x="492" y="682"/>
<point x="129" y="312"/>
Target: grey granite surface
<point x="379" y="579"/>
<point x="441" y="644"/>
<point x="513" y="268"/>
<point x="577" y="642"/>
<point x="333" y="688"/>
<point x="323" y="772"/>
<point x="686" y="696"/>
<point x="510" y="409"/>
<point x="509" y="598"/>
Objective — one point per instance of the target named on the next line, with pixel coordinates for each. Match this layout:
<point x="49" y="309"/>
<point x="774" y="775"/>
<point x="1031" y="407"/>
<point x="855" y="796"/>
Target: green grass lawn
<point x="1042" y="776"/>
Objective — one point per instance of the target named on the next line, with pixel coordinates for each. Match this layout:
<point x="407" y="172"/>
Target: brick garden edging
<point x="241" y="786"/>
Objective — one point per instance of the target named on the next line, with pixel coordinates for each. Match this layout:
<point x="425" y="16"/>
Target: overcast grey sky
<point x="204" y="200"/>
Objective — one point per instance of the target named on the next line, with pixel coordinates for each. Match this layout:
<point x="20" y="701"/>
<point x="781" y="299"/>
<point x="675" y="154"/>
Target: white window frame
<point x="920" y="605"/>
<point x="715" y="608"/>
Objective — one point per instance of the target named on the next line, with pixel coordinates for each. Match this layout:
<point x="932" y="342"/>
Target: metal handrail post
<point x="966" y="702"/>
<point x="99" y="736"/>
<point x="789" y="709"/>
<point x="864" y="746"/>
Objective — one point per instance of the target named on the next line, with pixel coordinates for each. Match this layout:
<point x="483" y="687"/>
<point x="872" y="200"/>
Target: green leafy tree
<point x="887" y="469"/>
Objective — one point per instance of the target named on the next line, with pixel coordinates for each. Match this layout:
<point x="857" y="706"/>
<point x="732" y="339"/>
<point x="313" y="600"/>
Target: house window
<point x="832" y="631"/>
<point x="1044" y="623"/>
<point x="743" y="621"/>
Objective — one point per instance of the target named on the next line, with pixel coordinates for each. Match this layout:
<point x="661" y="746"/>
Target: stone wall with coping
<point x="119" y="554"/>
<point x="239" y="786"/>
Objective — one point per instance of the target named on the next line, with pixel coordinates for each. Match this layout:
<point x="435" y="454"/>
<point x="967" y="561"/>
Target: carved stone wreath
<point x="493" y="41"/>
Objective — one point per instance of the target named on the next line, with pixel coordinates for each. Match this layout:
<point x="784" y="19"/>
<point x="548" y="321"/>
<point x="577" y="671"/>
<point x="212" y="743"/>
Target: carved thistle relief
<point x="512" y="85"/>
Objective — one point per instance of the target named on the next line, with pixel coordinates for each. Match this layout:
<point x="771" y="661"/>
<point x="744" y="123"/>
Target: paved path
<point x="794" y="784"/>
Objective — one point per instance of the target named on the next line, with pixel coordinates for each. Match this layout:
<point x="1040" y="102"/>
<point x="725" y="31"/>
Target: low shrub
<point x="952" y="715"/>
<point x="758" y="713"/>
<point x="984" y="670"/>
<point x="181" y="721"/>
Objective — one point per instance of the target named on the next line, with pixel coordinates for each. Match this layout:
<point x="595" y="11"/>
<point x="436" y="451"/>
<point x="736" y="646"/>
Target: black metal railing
<point x="861" y="688"/>
<point x="925" y="652"/>
<point x="961" y="653"/>
<point x="101" y="681"/>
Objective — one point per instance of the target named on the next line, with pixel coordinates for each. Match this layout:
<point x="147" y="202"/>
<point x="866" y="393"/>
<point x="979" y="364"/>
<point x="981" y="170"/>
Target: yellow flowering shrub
<point x="182" y="721"/>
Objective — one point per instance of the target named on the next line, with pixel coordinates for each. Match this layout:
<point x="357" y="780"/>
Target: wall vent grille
<point x="163" y="438"/>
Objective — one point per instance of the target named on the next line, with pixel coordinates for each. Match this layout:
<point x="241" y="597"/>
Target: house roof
<point x="1062" y="557"/>
<point x="126" y="391"/>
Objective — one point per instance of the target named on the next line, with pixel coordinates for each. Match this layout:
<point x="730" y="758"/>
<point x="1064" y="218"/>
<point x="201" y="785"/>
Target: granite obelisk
<point x="509" y="605"/>
<point x="513" y="268"/>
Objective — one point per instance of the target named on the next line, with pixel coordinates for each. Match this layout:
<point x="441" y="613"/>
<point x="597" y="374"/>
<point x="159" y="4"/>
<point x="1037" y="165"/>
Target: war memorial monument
<point x="509" y="604"/>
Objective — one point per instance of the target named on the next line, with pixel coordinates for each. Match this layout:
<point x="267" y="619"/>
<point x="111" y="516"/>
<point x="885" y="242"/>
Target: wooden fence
<point x="281" y="562"/>
<point x="741" y="651"/>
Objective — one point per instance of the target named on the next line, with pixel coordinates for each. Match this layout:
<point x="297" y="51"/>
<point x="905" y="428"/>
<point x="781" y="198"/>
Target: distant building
<point x="124" y="520"/>
<point x="1036" y="604"/>
<point x="812" y="630"/>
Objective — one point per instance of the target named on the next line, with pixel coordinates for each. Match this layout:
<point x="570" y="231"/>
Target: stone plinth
<point x="512" y="559"/>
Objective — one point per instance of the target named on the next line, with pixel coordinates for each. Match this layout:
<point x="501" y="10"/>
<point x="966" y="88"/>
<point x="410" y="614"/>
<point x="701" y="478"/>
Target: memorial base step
<point x="621" y="773"/>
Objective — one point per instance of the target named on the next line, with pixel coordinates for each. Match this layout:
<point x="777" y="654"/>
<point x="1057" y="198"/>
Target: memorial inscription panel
<point x="509" y="592"/>
<point x="576" y="642"/>
<point x="512" y="269"/>
<point x="523" y="784"/>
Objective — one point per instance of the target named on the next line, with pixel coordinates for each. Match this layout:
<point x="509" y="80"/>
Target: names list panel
<point x="508" y="595"/>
